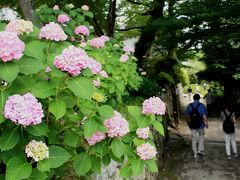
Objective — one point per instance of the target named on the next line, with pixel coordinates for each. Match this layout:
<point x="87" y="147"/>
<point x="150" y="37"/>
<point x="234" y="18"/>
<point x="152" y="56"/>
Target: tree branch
<point x="130" y="28"/>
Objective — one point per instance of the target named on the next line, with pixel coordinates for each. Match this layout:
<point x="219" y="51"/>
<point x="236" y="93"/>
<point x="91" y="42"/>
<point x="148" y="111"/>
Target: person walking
<point x="229" y="119"/>
<point x="209" y="101"/>
<point x="189" y="93"/>
<point x="197" y="122"/>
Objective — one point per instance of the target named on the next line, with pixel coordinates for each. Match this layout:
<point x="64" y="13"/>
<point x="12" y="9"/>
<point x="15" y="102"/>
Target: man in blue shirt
<point x="198" y="132"/>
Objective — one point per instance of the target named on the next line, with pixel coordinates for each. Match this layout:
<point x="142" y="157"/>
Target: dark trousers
<point x="209" y="110"/>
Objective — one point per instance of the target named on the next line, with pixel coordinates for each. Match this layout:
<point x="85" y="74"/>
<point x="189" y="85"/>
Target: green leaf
<point x="106" y="160"/>
<point x="21" y="84"/>
<point x="3" y="99"/>
<point x="38" y="130"/>
<point x="143" y="121"/>
<point x="18" y="168"/>
<point x="71" y="139"/>
<point x="57" y="108"/>
<point x="82" y="164"/>
<point x="138" y="141"/>
<point x="28" y="65"/>
<point x="137" y="166"/>
<point x="8" y="71"/>
<point x="152" y="165"/>
<point x="34" y="49"/>
<point x="96" y="166"/>
<point x="135" y="111"/>
<point x="43" y="90"/>
<point x="159" y="127"/>
<point x="105" y="111"/>
<point x="9" y="139"/>
<point x="88" y="13"/>
<point x="81" y="87"/>
<point x="86" y="107"/>
<point x="126" y="171"/>
<point x="37" y="175"/>
<point x="57" y="157"/>
<point x="118" y="148"/>
<point x="90" y="127"/>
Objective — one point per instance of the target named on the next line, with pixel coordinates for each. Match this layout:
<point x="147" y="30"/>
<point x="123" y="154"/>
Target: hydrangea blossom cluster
<point x="128" y="49"/>
<point x="85" y="8"/>
<point x="11" y="47"/>
<point x="24" y="110"/>
<point x="74" y="59"/>
<point x="104" y="74"/>
<point x="55" y="7"/>
<point x="81" y="30"/>
<point x="19" y="26"/>
<point x="146" y="151"/>
<point x="154" y="105"/>
<point x="8" y="14"/>
<point x="52" y="31"/>
<point x="96" y="137"/>
<point x="117" y="125"/>
<point x="124" y="58"/>
<point x="98" y="97"/>
<point x="37" y="150"/>
<point x="99" y="42"/>
<point x="63" y="18"/>
<point x="70" y="6"/>
<point x="143" y="133"/>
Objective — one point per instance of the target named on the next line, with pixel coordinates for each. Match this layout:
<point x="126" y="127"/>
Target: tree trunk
<point x="28" y="11"/>
<point x="111" y="18"/>
<point x="148" y="33"/>
<point x="97" y="27"/>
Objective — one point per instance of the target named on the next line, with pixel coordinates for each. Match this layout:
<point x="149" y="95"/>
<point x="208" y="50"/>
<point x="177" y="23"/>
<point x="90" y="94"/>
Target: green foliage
<point x="72" y="114"/>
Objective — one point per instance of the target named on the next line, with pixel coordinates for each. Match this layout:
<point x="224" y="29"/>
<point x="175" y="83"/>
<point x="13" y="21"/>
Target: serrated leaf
<point x="71" y="139"/>
<point x="126" y="171"/>
<point x="35" y="49"/>
<point x="57" y="108"/>
<point x="38" y="130"/>
<point x="159" y="127"/>
<point x="105" y="111"/>
<point x="8" y="71"/>
<point x="82" y="164"/>
<point x="37" y="175"/>
<point x="118" y="148"/>
<point x="3" y="99"/>
<point x="143" y="121"/>
<point x="89" y="127"/>
<point x="21" y="84"/>
<point x="152" y="165"/>
<point x="81" y="87"/>
<point x="9" y="139"/>
<point x="29" y="65"/>
<point x="135" y="111"/>
<point x="43" y="90"/>
<point x="96" y="166"/>
<point x="18" y="168"/>
<point x="57" y="157"/>
<point x="137" y="166"/>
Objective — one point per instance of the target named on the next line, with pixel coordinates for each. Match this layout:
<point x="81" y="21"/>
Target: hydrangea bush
<point x="59" y="103"/>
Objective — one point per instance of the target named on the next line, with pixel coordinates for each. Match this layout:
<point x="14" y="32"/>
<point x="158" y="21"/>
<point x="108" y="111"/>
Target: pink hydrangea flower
<point x="146" y="151"/>
<point x="24" y="110"/>
<point x="154" y="105"/>
<point x="52" y="31"/>
<point x="124" y="58"/>
<point x="85" y="8"/>
<point x="81" y="30"/>
<point x="97" y="42"/>
<point x="19" y="26"/>
<point x="129" y="49"/>
<point x="117" y="125"/>
<point x="104" y="74"/>
<point x="96" y="137"/>
<point x="143" y="133"/>
<point x="144" y="73"/>
<point x="63" y="18"/>
<point x="104" y="38"/>
<point x="55" y="7"/>
<point x="83" y="44"/>
<point x="11" y="47"/>
<point x="94" y="66"/>
<point x="96" y="82"/>
<point x="48" y="69"/>
<point x="37" y="150"/>
<point x="72" y="60"/>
